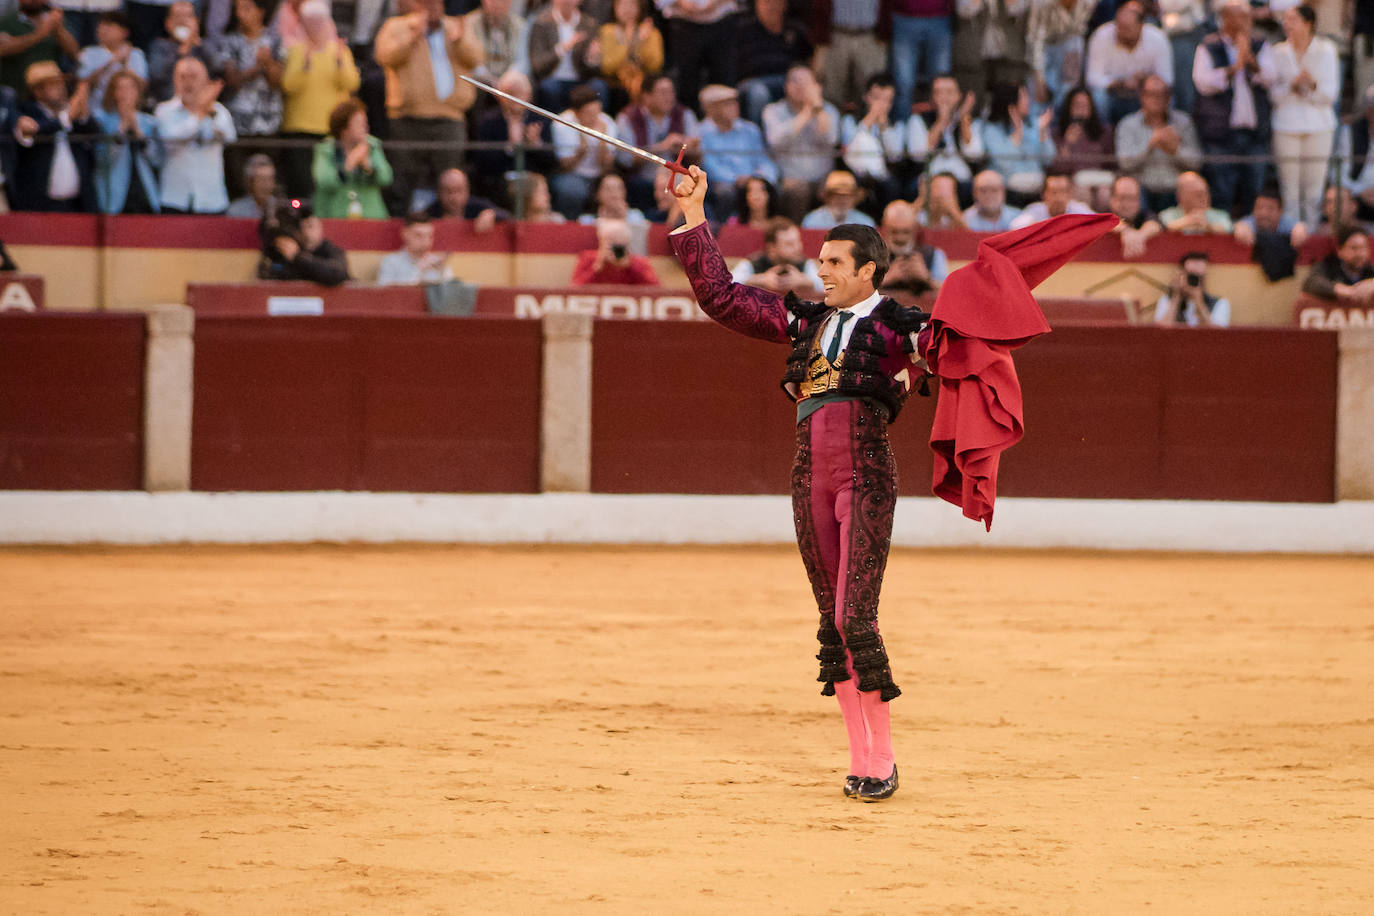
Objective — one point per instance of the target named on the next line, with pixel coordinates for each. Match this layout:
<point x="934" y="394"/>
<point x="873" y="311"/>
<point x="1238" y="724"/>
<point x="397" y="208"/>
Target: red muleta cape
<point x="984" y="311"/>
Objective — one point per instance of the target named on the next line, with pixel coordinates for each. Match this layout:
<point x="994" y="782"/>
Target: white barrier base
<point x="34" y="517"/>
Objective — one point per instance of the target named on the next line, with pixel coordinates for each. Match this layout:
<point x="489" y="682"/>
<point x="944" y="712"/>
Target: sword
<point x="677" y="166"/>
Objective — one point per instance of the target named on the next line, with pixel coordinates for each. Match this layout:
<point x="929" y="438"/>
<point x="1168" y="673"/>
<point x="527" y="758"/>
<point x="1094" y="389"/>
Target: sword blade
<point x="589" y="131"/>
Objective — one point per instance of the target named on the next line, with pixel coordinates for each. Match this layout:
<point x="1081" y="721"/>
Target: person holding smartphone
<point x="1187" y="301"/>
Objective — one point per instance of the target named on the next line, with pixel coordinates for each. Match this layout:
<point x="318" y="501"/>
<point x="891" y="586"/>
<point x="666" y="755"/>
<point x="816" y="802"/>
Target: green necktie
<point x="832" y="353"/>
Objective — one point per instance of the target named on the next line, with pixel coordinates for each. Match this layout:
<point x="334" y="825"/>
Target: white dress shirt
<point x="1314" y="112"/>
<point x="1109" y="62"/>
<point x="193" y="175"/>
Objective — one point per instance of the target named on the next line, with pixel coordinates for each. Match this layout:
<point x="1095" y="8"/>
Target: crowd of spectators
<point x="1191" y="116"/>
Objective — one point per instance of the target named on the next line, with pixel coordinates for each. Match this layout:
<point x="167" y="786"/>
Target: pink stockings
<point x="843" y="494"/>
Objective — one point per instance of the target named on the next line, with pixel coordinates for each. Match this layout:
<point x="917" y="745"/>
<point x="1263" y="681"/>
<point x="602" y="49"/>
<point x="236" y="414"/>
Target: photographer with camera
<point x="611" y="262"/>
<point x="1188" y="302"/>
<point x="294" y="246"/>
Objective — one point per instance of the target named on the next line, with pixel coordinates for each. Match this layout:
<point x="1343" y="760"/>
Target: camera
<point x="618" y="252"/>
<point x="1194" y="279"/>
<point x="281" y="217"/>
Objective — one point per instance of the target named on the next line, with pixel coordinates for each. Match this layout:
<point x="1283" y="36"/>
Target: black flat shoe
<point x="873" y="790"/>
<point x="851" y="786"/>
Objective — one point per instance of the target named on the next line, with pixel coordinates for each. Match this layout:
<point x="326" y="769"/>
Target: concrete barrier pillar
<point x="1355" y="415"/>
<point x="566" y="404"/>
<point x="167" y="393"/>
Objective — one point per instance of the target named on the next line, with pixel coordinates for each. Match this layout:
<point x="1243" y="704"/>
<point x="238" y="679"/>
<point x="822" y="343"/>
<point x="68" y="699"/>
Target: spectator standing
<point x="504" y="37"/>
<point x="1056" y="199"/>
<point x="921" y="43"/>
<point x="732" y="150"/>
<point x="1084" y="147"/>
<point x="852" y="40"/>
<point x="260" y="186"/>
<point x="1156" y="144"/>
<point x="1354" y="153"/>
<point x="350" y="169"/>
<point x="990" y="211"/>
<point x="770" y="45"/>
<point x="802" y="130"/>
<point x="147" y="22"/>
<point x="523" y="136"/>
<point x="875" y="145"/>
<point x="782" y="267"/>
<point x="702" y="42"/>
<point x="1187" y="301"/>
<point x="1121" y="54"/>
<point x="183" y="39"/>
<point x="581" y="160"/>
<point x="952" y="143"/>
<point x="1306" y="87"/>
<point x="1184" y="23"/>
<point x="1232" y="72"/>
<point x="52" y="173"/>
<point x="611" y="262"/>
<point x="318" y="76"/>
<point x="248" y="55"/>
<point x="1138" y="224"/>
<point x="1362" y="24"/>
<point x="990" y="43"/>
<point x="631" y="50"/>
<point x="564" y="53"/>
<point x="31" y="33"/>
<point x="1194" y="214"/>
<point x="82" y="19"/>
<point x="1345" y="276"/>
<point x="657" y="123"/>
<point x="937" y="205"/>
<point x="424" y="52"/>
<point x="126" y="167"/>
<point x="839" y="197"/>
<point x="194" y="126"/>
<point x="1018" y="146"/>
<point x="455" y="200"/>
<point x="1055" y="46"/>
<point x="111" y="53"/>
<point x="417" y="262"/>
<point x="286" y="23"/>
<point x="1273" y="239"/>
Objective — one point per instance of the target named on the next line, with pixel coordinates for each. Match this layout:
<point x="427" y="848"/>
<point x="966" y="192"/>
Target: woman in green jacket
<point x="350" y="169"/>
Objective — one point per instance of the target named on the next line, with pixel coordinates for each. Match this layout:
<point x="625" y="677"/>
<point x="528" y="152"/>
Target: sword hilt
<point x="677" y="166"/>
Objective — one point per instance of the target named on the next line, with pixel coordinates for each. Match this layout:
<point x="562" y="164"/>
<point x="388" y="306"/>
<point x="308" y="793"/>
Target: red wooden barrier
<point x="1141" y="412"/>
<point x="387" y="404"/>
<point x="71" y="415"/>
<point x="21" y="292"/>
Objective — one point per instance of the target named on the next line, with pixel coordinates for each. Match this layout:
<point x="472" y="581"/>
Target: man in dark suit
<point x="54" y="163"/>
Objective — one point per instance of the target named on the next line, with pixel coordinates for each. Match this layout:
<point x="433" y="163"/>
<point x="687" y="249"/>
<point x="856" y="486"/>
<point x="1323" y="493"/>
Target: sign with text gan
<point x="1329" y="316"/>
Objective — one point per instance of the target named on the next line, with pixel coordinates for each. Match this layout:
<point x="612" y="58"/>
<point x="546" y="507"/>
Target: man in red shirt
<point x="611" y="261"/>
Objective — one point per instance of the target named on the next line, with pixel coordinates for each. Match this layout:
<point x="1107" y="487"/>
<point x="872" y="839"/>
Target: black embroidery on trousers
<point x="831" y="655"/>
<point x="870" y="538"/>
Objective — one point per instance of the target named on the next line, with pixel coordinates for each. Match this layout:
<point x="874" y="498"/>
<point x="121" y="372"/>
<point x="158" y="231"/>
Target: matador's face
<point x="845" y="284"/>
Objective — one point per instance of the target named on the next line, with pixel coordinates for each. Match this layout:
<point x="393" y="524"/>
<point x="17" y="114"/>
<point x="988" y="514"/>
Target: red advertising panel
<point x="71" y="417"/>
<point x="386" y="404"/>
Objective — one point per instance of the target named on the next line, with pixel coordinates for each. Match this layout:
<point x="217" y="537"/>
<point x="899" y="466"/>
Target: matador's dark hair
<point x="868" y="246"/>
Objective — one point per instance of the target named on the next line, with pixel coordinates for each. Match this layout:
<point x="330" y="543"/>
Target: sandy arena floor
<point x="563" y="730"/>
